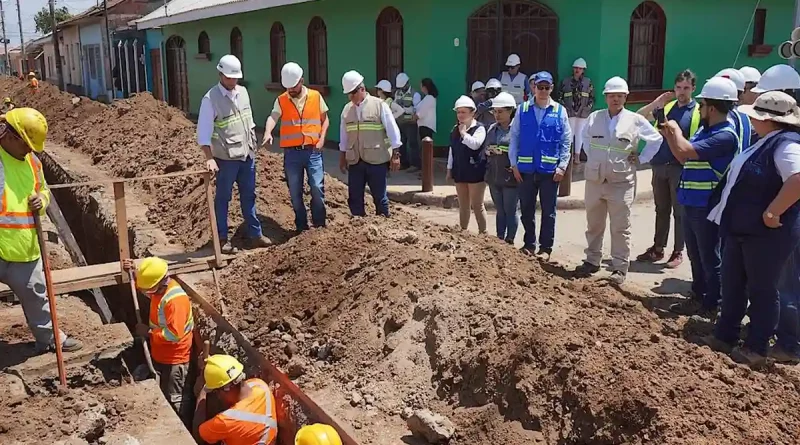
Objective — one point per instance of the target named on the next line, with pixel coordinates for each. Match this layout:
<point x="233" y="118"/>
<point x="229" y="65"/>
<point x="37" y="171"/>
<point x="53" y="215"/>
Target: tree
<point x="44" y="24"/>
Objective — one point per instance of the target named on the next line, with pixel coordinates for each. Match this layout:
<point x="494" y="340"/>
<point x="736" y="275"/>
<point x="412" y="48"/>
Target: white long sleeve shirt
<point x="472" y="141"/>
<point x="206" y="116"/>
<point x="387" y="119"/>
<point x="426" y="111"/>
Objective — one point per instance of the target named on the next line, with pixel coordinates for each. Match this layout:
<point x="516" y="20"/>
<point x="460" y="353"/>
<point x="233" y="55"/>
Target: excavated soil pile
<point x="394" y="315"/>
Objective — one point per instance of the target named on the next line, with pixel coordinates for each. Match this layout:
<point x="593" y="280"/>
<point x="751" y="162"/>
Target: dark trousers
<point x="172" y="381"/>
<point x="359" y="176"/>
<point x="751" y="267"/>
<point x="787" y="335"/>
<point x="543" y="186"/>
<point x="703" y="247"/>
<point x="665" y="194"/>
<point x="409" y="151"/>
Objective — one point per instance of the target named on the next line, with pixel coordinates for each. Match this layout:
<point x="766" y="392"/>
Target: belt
<point x="301" y="147"/>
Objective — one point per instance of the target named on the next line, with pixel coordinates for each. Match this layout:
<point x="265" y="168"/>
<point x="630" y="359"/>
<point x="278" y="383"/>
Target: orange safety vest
<point x="171" y="330"/>
<point x="251" y="421"/>
<point x="34" y="83"/>
<point x="300" y="127"/>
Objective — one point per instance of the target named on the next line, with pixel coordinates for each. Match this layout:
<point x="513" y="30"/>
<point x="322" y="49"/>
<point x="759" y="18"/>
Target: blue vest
<point x="757" y="184"/>
<point x="699" y="178"/>
<point x="468" y="165"/>
<point x="539" y="142"/>
<point x="741" y="124"/>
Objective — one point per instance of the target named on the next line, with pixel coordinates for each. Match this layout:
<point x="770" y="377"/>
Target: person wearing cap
<point x="304" y="126"/>
<point x="679" y="106"/>
<point x="513" y="80"/>
<point x="33" y="82"/>
<point x="705" y="157"/>
<point x="466" y="163"/>
<point x="539" y="156"/>
<point x="740" y="121"/>
<point x="614" y="135"/>
<point x="250" y="415"/>
<point x="751" y="78"/>
<point x="757" y="210"/>
<point x="577" y="95"/>
<point x="407" y="98"/>
<point x="499" y="177"/>
<point x="170" y="330"/>
<point x="384" y="90"/>
<point x="369" y="145"/>
<point x="483" y="114"/>
<point x="226" y="134"/>
<point x="25" y="191"/>
<point x="317" y="434"/>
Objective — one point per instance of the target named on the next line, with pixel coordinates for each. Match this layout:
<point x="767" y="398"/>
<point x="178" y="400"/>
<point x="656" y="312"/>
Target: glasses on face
<point x="702" y="104"/>
<point x="542" y="87"/>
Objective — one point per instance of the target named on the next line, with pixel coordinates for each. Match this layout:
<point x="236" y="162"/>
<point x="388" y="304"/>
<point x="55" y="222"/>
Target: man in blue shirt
<point x="539" y="156"/>
<point x="705" y="159"/>
<point x="667" y="170"/>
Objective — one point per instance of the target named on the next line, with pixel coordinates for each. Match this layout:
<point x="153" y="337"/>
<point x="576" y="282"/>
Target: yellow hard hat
<point x="317" y="434"/>
<point x="220" y="370"/>
<point x="150" y="271"/>
<point x="30" y="125"/>
<point x="7" y="100"/>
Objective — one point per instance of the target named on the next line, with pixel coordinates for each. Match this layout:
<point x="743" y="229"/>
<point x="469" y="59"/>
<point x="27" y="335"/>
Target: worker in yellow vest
<point x="23" y="192"/>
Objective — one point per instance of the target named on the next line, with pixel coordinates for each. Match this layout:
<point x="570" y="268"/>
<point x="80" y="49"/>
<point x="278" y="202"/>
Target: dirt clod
<point x="434" y="428"/>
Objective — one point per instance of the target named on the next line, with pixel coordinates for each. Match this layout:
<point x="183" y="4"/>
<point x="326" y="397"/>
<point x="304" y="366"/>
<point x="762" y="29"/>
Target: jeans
<point x="788" y="332"/>
<point x="665" y="194"/>
<point x="409" y="153"/>
<point x="543" y="186"/>
<point x="506" y="201"/>
<point x="295" y="163"/>
<point x="360" y="175"/>
<point x="243" y="173"/>
<point x="703" y="248"/>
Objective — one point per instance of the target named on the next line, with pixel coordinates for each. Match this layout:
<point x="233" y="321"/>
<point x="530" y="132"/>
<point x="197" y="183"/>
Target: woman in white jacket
<point x="426" y="118"/>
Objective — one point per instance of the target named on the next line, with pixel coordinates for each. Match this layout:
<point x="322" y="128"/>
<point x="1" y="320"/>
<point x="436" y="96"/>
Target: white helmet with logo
<point x="230" y="66"/>
<point x="616" y="85"/>
<point x="504" y="100"/>
<point x="385" y="86"/>
<point x="719" y="88"/>
<point x="778" y="77"/>
<point x="734" y="75"/>
<point x="291" y="73"/>
<point x="464" y="102"/>
<point x="351" y="80"/>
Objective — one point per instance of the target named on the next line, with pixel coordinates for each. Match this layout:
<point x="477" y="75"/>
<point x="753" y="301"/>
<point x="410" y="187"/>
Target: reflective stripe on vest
<point x="537" y="146"/>
<point x="741" y="122"/>
<point x="240" y="118"/>
<point x="694" y="125"/>
<point x="608" y="148"/>
<point x="173" y="291"/>
<point x="261" y="419"/>
<point x="699" y="176"/>
<point x="300" y="127"/>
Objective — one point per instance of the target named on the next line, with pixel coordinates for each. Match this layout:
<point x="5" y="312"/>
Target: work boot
<point x="528" y="250"/>
<point x="783" y="356"/>
<point x="746" y="356"/>
<point x="675" y="260"/>
<point x="618" y="277"/>
<point x="586" y="270"/>
<point x="544" y="255"/>
<point x="227" y="248"/>
<point x="716" y="344"/>
<point x="69" y="345"/>
<point x="258" y="242"/>
<point x="651" y="255"/>
<point x="510" y="241"/>
<point x="693" y="307"/>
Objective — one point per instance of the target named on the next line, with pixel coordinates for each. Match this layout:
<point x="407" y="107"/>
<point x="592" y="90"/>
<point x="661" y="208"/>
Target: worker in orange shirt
<point x="34" y="82"/>
<point x="317" y="434"/>
<point x="250" y="418"/>
<point x="170" y="330"/>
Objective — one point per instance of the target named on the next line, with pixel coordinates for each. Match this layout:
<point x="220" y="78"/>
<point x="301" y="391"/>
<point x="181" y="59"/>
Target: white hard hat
<point x="734" y="75"/>
<point x="464" y="102"/>
<point x="494" y="83"/>
<point x="778" y="77"/>
<point x="513" y="60"/>
<point x="385" y="86"/>
<point x="291" y="73"/>
<point x="719" y="88"/>
<point x="401" y="80"/>
<point x="616" y="85"/>
<point x="477" y="85"/>
<point x="351" y="80"/>
<point x="230" y="66"/>
<point x="504" y="100"/>
<point x="750" y="74"/>
<point x="579" y="63"/>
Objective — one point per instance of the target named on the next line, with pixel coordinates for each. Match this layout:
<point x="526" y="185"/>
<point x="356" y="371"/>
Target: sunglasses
<point x="541" y="87"/>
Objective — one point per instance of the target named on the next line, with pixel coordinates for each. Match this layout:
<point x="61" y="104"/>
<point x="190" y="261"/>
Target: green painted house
<point x="455" y="42"/>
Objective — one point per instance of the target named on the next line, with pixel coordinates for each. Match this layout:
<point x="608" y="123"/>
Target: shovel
<point x="139" y="321"/>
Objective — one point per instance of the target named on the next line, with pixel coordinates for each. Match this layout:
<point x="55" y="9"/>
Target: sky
<point x="29" y="9"/>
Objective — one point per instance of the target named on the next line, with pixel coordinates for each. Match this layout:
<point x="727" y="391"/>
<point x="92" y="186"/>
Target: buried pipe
<point x="294" y="408"/>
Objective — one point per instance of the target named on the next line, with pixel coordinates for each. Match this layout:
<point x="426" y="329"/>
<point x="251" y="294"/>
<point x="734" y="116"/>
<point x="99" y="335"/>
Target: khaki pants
<point x="470" y="196"/>
<point x="172" y="380"/>
<point x="612" y="200"/>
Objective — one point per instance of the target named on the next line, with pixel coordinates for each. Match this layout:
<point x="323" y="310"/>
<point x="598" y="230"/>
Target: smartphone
<point x="661" y="118"/>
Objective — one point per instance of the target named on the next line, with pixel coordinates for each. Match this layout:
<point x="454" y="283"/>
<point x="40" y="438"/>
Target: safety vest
<point x="742" y="126"/>
<point x="176" y="346"/>
<point x="539" y="142"/>
<point x="699" y="178"/>
<point x="234" y="137"/>
<point x="19" y="180"/>
<point x="469" y="166"/>
<point x="694" y="125"/>
<point x="300" y="127"/>
<point x="498" y="172"/>
<point x="366" y="136"/>
<point x="515" y="86"/>
<point x="607" y="158"/>
<point x="406" y="100"/>
<point x="256" y="413"/>
<point x="577" y="101"/>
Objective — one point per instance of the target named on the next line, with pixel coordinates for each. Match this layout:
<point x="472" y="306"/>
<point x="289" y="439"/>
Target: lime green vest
<point x="19" y="180"/>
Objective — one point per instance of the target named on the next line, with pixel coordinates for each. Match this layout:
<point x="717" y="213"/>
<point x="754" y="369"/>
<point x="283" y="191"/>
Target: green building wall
<point x="700" y="35"/>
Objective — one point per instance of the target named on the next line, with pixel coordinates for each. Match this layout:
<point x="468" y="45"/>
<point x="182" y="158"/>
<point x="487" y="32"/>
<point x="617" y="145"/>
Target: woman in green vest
<point x="499" y="178"/>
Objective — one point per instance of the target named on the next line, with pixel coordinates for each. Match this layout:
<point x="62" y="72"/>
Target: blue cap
<point x="542" y="76"/>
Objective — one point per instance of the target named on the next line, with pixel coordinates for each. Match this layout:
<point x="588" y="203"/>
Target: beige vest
<point x="234" y="137"/>
<point x="366" y="137"/>
<point x="608" y="153"/>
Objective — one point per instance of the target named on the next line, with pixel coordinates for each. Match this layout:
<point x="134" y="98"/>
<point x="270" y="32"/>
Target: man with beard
<point x="304" y="124"/>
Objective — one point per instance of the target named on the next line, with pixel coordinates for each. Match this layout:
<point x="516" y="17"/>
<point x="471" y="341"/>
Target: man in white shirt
<point x="515" y="82"/>
<point x="226" y="134"/>
<point x="369" y="142"/>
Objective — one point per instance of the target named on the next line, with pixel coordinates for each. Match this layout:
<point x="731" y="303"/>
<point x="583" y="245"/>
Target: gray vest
<point x="578" y="101"/>
<point x="234" y="137"/>
<point x="405" y="100"/>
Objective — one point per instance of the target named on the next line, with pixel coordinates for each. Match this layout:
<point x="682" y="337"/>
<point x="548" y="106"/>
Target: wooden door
<point x="177" y="75"/>
<point x="158" y="79"/>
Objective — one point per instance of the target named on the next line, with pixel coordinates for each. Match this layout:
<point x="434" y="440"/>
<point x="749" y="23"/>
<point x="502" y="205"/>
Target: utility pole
<point x="110" y="81"/>
<point x="56" y="49"/>
<point x="22" y="39"/>
<point x="5" y="40"/>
